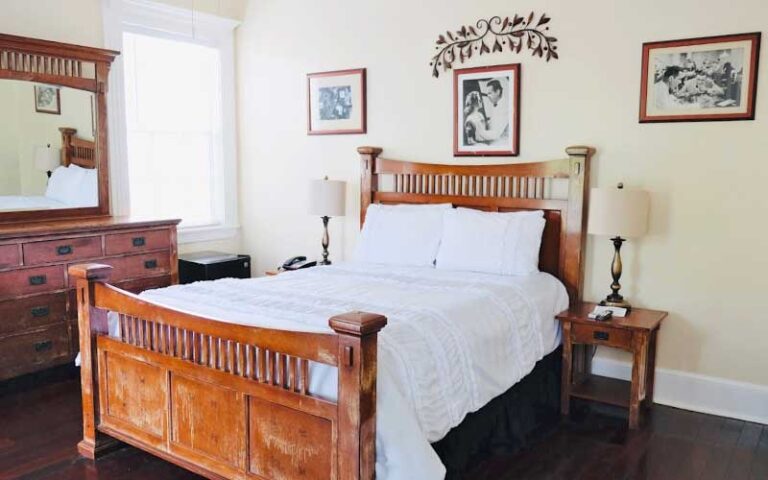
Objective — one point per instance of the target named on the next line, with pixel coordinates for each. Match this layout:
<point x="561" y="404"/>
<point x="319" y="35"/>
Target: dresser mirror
<point x="53" y="130"/>
<point x="47" y="147"/>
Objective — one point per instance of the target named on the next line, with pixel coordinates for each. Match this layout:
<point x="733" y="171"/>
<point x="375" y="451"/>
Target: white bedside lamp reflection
<point x="327" y="199"/>
<point x="622" y="214"/>
<point x="47" y="159"/>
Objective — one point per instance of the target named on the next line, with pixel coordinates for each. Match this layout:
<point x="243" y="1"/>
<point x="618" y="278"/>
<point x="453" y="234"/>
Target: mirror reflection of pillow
<point x="88" y="196"/>
<point x="65" y="184"/>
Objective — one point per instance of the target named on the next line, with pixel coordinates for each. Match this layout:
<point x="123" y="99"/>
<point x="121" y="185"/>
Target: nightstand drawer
<point x="601" y="335"/>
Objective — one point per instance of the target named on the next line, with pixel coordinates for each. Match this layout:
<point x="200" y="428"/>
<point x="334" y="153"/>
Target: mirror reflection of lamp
<point x="47" y="159"/>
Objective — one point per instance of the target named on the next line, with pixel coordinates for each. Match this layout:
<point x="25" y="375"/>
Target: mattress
<point x="453" y="342"/>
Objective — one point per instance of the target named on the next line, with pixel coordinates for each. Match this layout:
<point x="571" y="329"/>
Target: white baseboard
<point x="698" y="393"/>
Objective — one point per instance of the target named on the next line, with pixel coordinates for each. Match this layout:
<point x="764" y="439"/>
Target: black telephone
<point x="298" y="262"/>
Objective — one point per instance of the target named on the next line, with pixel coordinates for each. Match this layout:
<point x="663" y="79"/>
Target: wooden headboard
<point x="75" y="150"/>
<point x="496" y="188"/>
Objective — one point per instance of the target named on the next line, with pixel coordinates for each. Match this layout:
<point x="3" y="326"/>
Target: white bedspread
<point x="454" y="340"/>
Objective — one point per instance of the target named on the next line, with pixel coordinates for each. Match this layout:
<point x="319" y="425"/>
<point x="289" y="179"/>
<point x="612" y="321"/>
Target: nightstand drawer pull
<point x="38" y="312"/>
<point x="150" y="264"/>
<point x="139" y="241"/>
<point x="64" y="250"/>
<point x="604" y="336"/>
<point x="36" y="280"/>
<point x="43" y="346"/>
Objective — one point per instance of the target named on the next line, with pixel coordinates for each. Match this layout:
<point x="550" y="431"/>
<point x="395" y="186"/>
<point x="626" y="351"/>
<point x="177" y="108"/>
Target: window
<point x="173" y="120"/>
<point x="177" y="82"/>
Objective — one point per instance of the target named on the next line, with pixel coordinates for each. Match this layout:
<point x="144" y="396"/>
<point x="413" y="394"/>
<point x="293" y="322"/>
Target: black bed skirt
<point x="508" y="423"/>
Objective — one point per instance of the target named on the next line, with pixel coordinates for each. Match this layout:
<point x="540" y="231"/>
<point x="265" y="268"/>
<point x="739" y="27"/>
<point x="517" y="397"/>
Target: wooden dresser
<point x="38" y="311"/>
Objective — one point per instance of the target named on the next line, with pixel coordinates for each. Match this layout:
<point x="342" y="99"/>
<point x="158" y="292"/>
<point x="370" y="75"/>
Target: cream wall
<point x="10" y="179"/>
<point x="703" y="258"/>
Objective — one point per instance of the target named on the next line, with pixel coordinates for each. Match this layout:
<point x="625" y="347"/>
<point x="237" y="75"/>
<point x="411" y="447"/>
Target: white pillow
<point x="401" y="234"/>
<point x="500" y="243"/>
<point x="88" y="193"/>
<point x="64" y="185"/>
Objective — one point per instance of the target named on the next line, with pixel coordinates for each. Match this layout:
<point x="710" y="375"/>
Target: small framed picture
<point x="47" y="99"/>
<point x="700" y="79"/>
<point x="336" y="102"/>
<point x="486" y="116"/>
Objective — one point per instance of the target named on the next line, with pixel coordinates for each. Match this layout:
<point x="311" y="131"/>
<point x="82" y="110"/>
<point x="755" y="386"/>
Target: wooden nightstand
<point x="635" y="333"/>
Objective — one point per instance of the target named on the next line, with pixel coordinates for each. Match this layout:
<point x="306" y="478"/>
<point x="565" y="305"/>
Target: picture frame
<point x="47" y="99"/>
<point x="336" y="102"/>
<point x="486" y="111"/>
<point x="700" y="79"/>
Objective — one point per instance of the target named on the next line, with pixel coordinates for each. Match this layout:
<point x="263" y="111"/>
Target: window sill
<point x="207" y="233"/>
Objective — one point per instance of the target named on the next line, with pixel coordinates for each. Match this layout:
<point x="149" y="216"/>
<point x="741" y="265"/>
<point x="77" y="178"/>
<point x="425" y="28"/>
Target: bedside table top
<point x="637" y="318"/>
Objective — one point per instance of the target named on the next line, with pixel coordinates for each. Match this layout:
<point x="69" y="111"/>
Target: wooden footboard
<point x="224" y="400"/>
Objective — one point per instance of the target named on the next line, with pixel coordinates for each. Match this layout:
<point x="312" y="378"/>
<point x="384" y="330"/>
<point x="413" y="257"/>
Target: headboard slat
<point x="498" y="188"/>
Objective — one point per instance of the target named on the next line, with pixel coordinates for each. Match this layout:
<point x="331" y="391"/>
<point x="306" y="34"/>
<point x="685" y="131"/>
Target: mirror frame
<point x="62" y="64"/>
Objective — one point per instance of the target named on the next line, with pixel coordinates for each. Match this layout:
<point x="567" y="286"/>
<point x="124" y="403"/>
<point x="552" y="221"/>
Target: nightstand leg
<point x="651" y="373"/>
<point x="565" y="393"/>
<point x="639" y="369"/>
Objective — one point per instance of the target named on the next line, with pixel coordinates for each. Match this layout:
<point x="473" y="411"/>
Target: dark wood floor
<point x="40" y="425"/>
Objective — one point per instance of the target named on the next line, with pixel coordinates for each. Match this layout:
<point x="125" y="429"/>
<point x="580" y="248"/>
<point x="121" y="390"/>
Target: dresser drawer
<point x="64" y="250"/>
<point x="30" y="352"/>
<point x="31" y="281"/>
<point x="601" y="335"/>
<point x="32" y="312"/>
<point x="138" y="241"/>
<point x="136" y="266"/>
<point x="9" y="256"/>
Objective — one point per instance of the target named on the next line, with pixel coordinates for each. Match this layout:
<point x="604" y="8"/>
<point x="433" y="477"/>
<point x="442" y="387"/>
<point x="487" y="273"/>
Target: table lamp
<point x="327" y="198"/>
<point x="622" y="214"/>
<point x="47" y="159"/>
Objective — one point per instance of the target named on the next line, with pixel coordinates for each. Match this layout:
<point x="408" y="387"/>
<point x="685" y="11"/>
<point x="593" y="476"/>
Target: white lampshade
<point x="327" y="198"/>
<point x="47" y="158"/>
<point x="618" y="212"/>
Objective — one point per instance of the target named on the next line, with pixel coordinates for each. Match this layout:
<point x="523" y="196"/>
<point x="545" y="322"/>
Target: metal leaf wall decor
<point x="495" y="35"/>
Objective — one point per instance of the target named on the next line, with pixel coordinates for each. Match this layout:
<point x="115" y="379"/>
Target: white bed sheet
<point x="454" y="340"/>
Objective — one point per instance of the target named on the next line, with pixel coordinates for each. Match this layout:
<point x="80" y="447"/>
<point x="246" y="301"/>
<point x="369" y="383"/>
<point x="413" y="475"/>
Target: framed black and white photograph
<point x="700" y="79"/>
<point x="47" y="99"/>
<point x="336" y="102"/>
<point x="487" y="111"/>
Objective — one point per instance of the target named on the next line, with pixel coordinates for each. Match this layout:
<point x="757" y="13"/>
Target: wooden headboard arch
<point x="497" y="188"/>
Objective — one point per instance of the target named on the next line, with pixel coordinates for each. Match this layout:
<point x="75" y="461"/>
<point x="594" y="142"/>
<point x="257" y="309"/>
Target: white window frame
<point x="150" y="18"/>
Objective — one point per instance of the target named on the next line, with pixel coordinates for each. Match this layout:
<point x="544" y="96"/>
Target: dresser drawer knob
<point x="43" y="346"/>
<point x="64" y="250"/>
<point x="601" y="335"/>
<point x="139" y="241"/>
<point x="150" y="264"/>
<point x="36" y="280"/>
<point x="38" y="312"/>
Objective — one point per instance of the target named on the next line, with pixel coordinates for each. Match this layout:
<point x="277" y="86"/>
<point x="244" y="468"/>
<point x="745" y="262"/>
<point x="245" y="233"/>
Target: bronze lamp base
<point x="615" y="299"/>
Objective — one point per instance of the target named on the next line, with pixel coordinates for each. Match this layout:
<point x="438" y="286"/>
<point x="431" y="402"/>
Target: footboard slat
<point x="225" y="400"/>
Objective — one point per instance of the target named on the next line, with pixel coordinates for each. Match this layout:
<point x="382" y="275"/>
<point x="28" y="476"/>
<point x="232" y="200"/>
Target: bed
<point x="75" y="191"/>
<point x="228" y="397"/>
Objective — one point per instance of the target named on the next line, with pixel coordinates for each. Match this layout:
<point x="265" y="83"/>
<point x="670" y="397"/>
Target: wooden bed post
<point x="368" y="178"/>
<point x="357" y="393"/>
<point x="93" y="320"/>
<point x="575" y="229"/>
